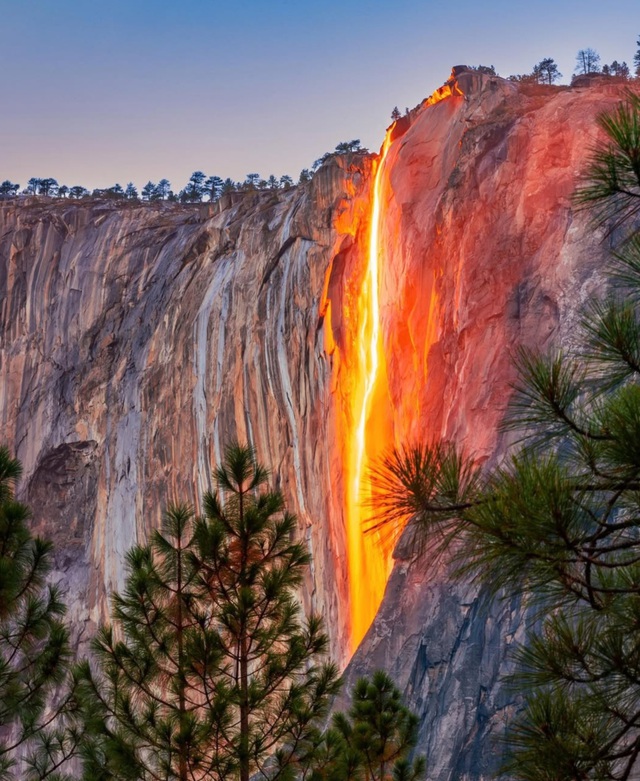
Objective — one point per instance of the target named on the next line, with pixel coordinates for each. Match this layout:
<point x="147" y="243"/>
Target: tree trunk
<point x="183" y="765"/>
<point x="244" y="664"/>
<point x="244" y="711"/>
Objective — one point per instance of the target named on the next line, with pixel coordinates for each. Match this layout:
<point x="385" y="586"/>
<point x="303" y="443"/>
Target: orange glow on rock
<point x="368" y="420"/>
<point x="447" y="90"/>
<point x="371" y="430"/>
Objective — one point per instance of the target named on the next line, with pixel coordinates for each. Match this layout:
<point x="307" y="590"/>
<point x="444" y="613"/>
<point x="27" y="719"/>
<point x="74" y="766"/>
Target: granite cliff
<point x="136" y="340"/>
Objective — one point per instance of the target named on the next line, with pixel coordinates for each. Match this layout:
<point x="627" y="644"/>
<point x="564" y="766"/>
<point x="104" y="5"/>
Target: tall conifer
<point x="372" y="741"/>
<point x="207" y="671"/>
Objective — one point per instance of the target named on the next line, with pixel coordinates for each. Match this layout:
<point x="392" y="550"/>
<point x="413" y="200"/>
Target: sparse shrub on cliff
<point x="523" y="78"/>
<point x="559" y="521"/>
<point x="34" y="648"/>
<point x="207" y="671"/>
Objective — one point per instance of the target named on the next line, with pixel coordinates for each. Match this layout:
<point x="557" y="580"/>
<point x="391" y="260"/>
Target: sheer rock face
<point x="136" y="340"/>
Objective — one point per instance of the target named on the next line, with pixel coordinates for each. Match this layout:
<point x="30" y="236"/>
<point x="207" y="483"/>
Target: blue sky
<point x="97" y="92"/>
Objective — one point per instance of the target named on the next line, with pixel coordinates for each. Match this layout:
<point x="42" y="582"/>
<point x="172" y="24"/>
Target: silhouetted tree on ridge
<point x="9" y="188"/>
<point x="587" y="61"/>
<point x="546" y="71"/>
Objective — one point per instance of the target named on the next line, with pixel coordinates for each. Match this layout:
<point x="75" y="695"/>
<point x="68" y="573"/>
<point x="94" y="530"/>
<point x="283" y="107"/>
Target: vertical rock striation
<point x="136" y="340"/>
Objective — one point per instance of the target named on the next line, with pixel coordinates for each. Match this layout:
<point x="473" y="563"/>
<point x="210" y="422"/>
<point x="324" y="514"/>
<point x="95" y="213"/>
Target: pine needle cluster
<point x="35" y="687"/>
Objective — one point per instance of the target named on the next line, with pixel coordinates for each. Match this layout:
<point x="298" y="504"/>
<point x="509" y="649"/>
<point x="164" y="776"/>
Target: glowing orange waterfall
<point x="369" y="559"/>
<point x="368" y="420"/>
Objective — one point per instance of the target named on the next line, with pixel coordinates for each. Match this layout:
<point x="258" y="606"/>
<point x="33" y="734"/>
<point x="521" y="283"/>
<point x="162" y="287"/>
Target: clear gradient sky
<point x="95" y="92"/>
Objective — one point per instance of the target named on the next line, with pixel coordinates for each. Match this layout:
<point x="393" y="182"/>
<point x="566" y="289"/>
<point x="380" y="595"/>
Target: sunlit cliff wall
<point x="484" y="251"/>
<point x="135" y="341"/>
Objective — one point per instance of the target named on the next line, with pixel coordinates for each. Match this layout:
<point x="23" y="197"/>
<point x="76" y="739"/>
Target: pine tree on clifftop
<point x="207" y="671"/>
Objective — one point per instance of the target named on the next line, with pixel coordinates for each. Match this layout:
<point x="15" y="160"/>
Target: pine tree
<point x="559" y="521"/>
<point x="546" y="71"/>
<point x="636" y="58"/>
<point x="372" y="740"/>
<point x="251" y="181"/>
<point x="195" y="188"/>
<point x="207" y="671"/>
<point x="33" y="185"/>
<point x="162" y="190"/>
<point x="48" y="187"/>
<point x="34" y="647"/>
<point x="349" y="146"/>
<point x="77" y="191"/>
<point x="213" y="187"/>
<point x="148" y="191"/>
<point x="116" y="192"/>
<point x="228" y="186"/>
<point x="9" y="188"/>
<point x="587" y="61"/>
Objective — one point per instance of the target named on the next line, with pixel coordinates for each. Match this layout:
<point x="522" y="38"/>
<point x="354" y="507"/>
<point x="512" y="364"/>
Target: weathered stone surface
<point x="134" y="341"/>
